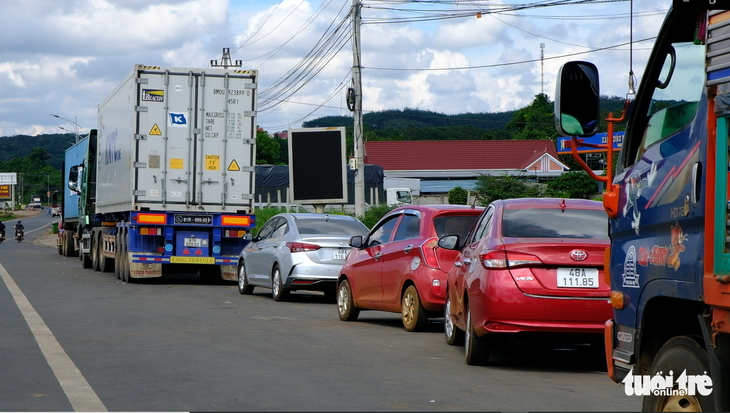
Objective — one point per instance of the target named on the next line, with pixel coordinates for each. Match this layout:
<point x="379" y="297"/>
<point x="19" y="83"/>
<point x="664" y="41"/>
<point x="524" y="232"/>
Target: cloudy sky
<point x="64" y="57"/>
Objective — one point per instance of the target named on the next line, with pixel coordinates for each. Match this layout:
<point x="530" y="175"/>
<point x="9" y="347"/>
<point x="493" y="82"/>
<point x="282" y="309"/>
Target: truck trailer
<point x="668" y="201"/>
<point x="167" y="180"/>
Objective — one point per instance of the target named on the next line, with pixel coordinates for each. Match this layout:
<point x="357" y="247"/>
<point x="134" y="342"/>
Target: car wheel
<point x="345" y="304"/>
<point x="476" y="348"/>
<point x="454" y="335"/>
<point x="412" y="312"/>
<point x="679" y="354"/>
<point x="243" y="285"/>
<point x="277" y="290"/>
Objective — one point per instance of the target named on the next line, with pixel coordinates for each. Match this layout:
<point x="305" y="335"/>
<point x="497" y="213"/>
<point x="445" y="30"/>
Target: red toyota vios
<point x="398" y="266"/>
<point x="530" y="265"/>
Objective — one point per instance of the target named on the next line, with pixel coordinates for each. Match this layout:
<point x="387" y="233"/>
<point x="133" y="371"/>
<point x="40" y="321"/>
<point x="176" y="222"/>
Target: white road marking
<point x="78" y="391"/>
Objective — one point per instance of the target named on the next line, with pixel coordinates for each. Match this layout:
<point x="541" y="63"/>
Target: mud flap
<point x="143" y="270"/>
<point x="229" y="272"/>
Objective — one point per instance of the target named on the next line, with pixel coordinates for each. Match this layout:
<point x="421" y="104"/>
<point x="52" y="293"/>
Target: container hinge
<point x="197" y="131"/>
<point x="142" y="81"/>
<point x="140" y="108"/>
<point x="250" y="113"/>
<point x="140" y="137"/>
<point x="140" y="164"/>
<point x="179" y="180"/>
<point x="251" y="86"/>
<point x="248" y="169"/>
<point x="210" y="181"/>
<point x="247" y="196"/>
<point x="249" y="141"/>
<point x="139" y="193"/>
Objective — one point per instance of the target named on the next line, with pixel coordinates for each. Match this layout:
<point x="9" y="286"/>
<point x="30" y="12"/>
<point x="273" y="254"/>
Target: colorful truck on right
<point x="668" y="201"/>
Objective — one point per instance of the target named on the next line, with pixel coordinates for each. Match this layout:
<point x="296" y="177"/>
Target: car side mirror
<point x="356" y="241"/>
<point x="248" y="236"/>
<point x="449" y="242"/>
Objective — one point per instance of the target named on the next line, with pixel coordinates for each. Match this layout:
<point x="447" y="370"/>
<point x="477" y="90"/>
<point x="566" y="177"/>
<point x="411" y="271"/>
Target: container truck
<point x="668" y="203"/>
<point x="167" y="181"/>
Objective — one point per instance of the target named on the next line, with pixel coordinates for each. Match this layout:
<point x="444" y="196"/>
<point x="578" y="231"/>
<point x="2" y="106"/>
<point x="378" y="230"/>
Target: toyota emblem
<point x="578" y="255"/>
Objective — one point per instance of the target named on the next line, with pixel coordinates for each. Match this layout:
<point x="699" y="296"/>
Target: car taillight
<point x="428" y="251"/>
<point x="302" y="246"/>
<point x="506" y="259"/>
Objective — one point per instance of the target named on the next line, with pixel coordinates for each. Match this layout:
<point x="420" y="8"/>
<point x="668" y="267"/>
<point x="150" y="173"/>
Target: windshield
<point x="332" y="227"/>
<point x="555" y="223"/>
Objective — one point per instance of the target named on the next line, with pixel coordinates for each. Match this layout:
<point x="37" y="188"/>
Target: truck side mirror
<point x="73" y="178"/>
<point x="577" y="99"/>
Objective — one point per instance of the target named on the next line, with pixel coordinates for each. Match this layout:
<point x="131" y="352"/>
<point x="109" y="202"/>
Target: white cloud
<point x="65" y="57"/>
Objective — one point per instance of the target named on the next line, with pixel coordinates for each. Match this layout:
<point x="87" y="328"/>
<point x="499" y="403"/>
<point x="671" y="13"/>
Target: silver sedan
<point x="297" y="252"/>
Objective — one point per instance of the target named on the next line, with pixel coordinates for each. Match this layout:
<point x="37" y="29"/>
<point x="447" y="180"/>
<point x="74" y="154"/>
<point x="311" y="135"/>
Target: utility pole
<point x="542" y="67"/>
<point x="226" y="61"/>
<point x="357" y="113"/>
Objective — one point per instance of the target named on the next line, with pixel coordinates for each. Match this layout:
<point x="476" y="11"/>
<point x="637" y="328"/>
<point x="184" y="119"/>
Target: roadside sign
<point x="4" y="191"/>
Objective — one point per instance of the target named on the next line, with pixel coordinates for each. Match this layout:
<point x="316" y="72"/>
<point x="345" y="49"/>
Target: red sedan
<point x="398" y="266"/>
<point x="528" y="266"/>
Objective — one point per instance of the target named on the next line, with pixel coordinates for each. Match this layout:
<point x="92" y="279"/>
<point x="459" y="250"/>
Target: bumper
<point x="500" y="307"/>
<point x="313" y="277"/>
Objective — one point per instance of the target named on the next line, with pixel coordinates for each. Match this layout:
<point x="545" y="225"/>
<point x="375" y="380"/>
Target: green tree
<point x="574" y="184"/>
<point x="458" y="196"/>
<point x="267" y="148"/>
<point x="534" y="122"/>
<point x="491" y="188"/>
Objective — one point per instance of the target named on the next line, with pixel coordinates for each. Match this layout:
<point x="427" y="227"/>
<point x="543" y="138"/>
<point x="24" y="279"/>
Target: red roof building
<point x="464" y="159"/>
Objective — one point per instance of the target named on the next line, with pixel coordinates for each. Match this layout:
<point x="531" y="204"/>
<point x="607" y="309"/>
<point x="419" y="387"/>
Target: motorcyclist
<point x="2" y="230"/>
<point x="19" y="227"/>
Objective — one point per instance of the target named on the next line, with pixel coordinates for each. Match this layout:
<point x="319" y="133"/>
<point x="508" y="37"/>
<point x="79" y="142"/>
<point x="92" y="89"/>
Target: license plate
<point x="193" y="242"/>
<point x="577" y="278"/>
<point x="340" y="254"/>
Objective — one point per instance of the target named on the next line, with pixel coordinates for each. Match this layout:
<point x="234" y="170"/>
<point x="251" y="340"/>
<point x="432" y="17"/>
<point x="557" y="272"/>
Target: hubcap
<point x="408" y="309"/>
<point x="681" y="404"/>
<point x="277" y="282"/>
<point x="468" y="331"/>
<point x="241" y="277"/>
<point x="342" y="298"/>
<point x="448" y="324"/>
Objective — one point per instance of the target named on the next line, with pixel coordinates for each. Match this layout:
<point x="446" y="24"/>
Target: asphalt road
<point x="75" y="339"/>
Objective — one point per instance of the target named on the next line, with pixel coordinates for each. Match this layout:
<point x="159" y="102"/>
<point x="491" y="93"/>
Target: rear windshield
<point x="454" y="224"/>
<point x="310" y="226"/>
<point x="555" y="223"/>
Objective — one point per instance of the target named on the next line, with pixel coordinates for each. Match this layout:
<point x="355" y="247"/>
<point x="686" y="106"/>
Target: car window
<point x="280" y="229"/>
<point x="266" y="230"/>
<point x="308" y="226"/>
<point x="555" y="223"/>
<point x="382" y="233"/>
<point x="409" y="227"/>
<point x="481" y="226"/>
<point x="454" y="225"/>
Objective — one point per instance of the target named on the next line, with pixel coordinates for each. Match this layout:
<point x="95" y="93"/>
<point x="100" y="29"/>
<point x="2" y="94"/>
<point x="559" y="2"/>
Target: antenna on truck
<point x="226" y="60"/>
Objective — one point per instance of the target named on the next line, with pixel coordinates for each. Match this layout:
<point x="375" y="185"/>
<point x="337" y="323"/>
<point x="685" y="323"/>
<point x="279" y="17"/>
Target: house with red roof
<point x="466" y="159"/>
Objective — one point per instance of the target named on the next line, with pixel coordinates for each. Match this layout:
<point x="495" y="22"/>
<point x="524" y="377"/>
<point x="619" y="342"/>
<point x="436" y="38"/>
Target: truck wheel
<point x="117" y="257"/>
<point x="679" y="354"/>
<point x="412" y="312"/>
<point x="60" y="244"/>
<point x="68" y="244"/>
<point x="94" y="252"/>
<point x="126" y="265"/>
<point x="476" y="348"/>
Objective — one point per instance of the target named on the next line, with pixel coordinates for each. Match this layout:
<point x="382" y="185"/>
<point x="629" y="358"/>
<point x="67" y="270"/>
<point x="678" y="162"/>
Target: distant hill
<point x="21" y="145"/>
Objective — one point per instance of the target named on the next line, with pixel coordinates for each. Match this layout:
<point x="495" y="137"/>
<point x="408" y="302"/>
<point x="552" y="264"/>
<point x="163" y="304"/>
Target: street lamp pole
<point x="73" y="122"/>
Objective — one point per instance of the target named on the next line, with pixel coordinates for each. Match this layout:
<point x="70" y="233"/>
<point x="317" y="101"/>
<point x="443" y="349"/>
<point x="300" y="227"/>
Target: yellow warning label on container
<point x="212" y="162"/>
<point x="176" y="163"/>
<point x="233" y="166"/>
<point x="155" y="130"/>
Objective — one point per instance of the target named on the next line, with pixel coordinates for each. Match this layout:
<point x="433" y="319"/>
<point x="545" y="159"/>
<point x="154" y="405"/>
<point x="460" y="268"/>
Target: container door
<point x="164" y="143"/>
<point x="225" y="143"/>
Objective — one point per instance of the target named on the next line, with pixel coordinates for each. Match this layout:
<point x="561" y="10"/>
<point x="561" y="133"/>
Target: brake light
<point x="150" y="231"/>
<point x="505" y="259"/>
<point x="146" y="218"/>
<point x="236" y="220"/>
<point x="302" y="247"/>
<point x="428" y="251"/>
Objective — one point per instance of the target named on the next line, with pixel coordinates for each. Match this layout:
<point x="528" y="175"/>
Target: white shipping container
<point x="178" y="139"/>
